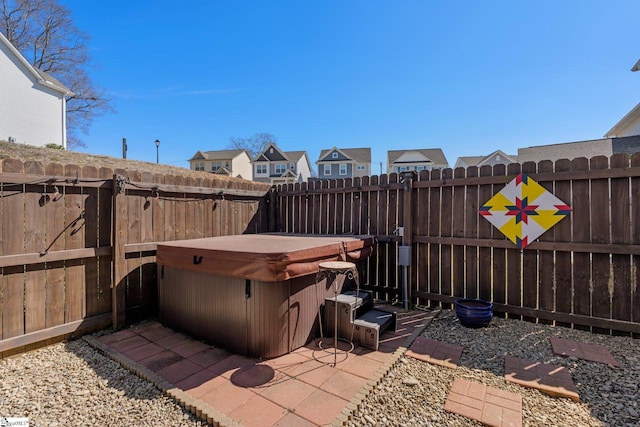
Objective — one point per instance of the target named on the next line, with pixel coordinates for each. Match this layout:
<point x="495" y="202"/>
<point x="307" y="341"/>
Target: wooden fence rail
<point x="77" y="249"/>
<point x="583" y="272"/>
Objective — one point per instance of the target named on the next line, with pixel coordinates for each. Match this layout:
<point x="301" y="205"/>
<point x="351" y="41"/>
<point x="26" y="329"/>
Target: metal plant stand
<point x="330" y="270"/>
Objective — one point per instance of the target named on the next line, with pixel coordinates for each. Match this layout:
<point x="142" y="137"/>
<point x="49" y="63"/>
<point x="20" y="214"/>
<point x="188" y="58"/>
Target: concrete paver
<point x="553" y="380"/>
<point x="590" y="352"/>
<point x="436" y="352"/>
<point x="489" y="405"/>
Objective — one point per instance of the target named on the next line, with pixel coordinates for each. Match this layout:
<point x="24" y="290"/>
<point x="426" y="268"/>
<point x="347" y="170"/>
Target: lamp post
<point x="157" y="151"/>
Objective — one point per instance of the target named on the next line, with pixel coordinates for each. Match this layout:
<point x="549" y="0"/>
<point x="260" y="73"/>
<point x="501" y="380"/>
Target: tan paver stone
<point x="320" y="407"/>
<point x="489" y="405"/>
<point x="436" y="352"/>
<point x="178" y="371"/>
<point x="590" y="352"/>
<point x="258" y="412"/>
<point x="550" y="379"/>
<point x="208" y="357"/>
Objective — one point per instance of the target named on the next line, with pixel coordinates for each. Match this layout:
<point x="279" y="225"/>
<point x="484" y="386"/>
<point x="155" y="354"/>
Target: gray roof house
<point x="275" y="166"/>
<point x="416" y="160"/>
<point x="498" y="157"/>
<point x="344" y="163"/>
<point x="236" y="163"/>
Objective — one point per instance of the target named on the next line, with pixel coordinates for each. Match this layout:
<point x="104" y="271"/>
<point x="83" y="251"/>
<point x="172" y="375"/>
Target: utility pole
<point x="124" y="148"/>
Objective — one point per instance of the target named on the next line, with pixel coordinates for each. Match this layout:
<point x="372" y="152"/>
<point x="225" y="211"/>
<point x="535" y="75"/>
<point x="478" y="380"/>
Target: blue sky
<point x="469" y="77"/>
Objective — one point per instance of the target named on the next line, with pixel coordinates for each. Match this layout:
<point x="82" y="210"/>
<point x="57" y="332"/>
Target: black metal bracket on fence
<point x="121" y="182"/>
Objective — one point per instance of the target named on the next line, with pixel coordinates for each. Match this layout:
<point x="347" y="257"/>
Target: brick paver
<point x="550" y="379"/>
<point x="590" y="352"/>
<point x="302" y="388"/>
<point x="491" y="406"/>
<point x="436" y="352"/>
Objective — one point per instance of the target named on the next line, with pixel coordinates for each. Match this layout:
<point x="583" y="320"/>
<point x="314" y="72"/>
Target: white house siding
<point x="632" y="129"/>
<point x="29" y="112"/>
<point x="242" y="166"/>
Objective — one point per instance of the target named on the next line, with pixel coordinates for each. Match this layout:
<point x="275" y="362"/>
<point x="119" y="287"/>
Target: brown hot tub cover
<point x="266" y="257"/>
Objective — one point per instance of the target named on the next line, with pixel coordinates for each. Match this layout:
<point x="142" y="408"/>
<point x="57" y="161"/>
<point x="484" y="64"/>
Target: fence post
<point x="118" y="288"/>
<point x="272" y="209"/>
<point x="407" y="223"/>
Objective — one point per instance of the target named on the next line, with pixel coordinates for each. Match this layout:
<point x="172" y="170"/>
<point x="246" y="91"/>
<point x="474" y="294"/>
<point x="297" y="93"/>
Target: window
<point x="334" y="155"/>
<point x="292" y="166"/>
<point x="281" y="168"/>
<point x="215" y="166"/>
<point x="343" y="168"/>
<point x="226" y="164"/>
<point x="402" y="168"/>
<point x="498" y="157"/>
<point x="200" y="166"/>
<point x="361" y="167"/>
<point x="327" y="170"/>
<point x="419" y="168"/>
<point x="261" y="169"/>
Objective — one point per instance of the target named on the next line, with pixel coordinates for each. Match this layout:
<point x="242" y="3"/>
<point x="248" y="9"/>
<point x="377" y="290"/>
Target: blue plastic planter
<point x="474" y="313"/>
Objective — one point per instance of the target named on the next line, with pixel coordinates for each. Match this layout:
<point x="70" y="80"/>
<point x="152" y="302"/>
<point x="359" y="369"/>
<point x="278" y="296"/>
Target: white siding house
<point x="32" y="103"/>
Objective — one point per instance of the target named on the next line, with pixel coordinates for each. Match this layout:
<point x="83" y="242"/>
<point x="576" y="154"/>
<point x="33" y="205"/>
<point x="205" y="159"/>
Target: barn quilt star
<point x="523" y="210"/>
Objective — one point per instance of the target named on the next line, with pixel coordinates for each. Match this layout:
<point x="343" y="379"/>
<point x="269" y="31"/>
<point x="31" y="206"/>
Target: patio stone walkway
<point x="300" y="388"/>
<point x="590" y="352"/>
<point x="489" y="405"/>
<point x="553" y="380"/>
<point x="436" y="352"/>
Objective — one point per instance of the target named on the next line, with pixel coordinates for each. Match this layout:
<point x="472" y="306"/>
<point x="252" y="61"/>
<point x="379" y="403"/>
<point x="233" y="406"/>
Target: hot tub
<point x="252" y="294"/>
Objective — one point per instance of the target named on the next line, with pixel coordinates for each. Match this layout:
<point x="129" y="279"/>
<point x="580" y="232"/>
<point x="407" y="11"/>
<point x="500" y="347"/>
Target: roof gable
<point x="628" y="120"/>
<point x="358" y="155"/>
<point x="435" y="155"/>
<point x="39" y="76"/>
<point x="273" y="154"/>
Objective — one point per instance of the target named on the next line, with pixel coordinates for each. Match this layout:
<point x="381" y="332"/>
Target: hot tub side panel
<point x="209" y="307"/>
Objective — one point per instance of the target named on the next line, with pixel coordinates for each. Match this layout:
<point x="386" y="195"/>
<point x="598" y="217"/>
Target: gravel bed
<point x="413" y="393"/>
<point x="72" y="384"/>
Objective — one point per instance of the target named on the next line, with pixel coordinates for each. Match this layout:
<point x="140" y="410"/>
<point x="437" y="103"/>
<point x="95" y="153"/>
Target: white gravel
<point x="608" y="396"/>
<point x="72" y="384"/>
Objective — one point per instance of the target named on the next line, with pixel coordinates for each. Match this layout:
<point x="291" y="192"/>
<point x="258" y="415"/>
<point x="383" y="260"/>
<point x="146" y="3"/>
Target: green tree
<point x="43" y="31"/>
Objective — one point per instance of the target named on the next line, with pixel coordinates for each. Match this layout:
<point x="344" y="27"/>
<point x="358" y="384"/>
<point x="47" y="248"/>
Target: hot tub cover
<point x="266" y="257"/>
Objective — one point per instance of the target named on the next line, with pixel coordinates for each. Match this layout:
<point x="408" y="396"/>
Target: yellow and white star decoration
<point x="523" y="210"/>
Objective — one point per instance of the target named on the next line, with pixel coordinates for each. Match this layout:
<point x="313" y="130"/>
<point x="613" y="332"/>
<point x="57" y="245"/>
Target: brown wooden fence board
<point x="34" y="278"/>
<point x="563" y="283"/>
<point x="445" y="231"/>
<point x="600" y="263"/>
<point x="635" y="239"/>
<point x="74" y="239"/>
<point x="530" y="278"/>
<point x="13" y="235"/>
<point x="581" y="233"/>
<point x="54" y="226"/>
<point x="459" y="261"/>
<point x="546" y="297"/>
<point x="393" y="215"/>
<point x="621" y="233"/>
<point x="91" y="218"/>
<point x="433" y="261"/>
<point x="484" y="231"/>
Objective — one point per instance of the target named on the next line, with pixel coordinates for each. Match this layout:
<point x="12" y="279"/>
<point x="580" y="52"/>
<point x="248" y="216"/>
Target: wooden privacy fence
<point x="77" y="249"/>
<point x="584" y="271"/>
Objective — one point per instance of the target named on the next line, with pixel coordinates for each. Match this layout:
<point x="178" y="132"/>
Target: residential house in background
<point x="344" y="163"/>
<point x="571" y="150"/>
<point x="498" y="157"/>
<point x="416" y="160"/>
<point x="623" y="137"/>
<point x="235" y="163"/>
<point x="32" y="103"/>
<point x="275" y="166"/>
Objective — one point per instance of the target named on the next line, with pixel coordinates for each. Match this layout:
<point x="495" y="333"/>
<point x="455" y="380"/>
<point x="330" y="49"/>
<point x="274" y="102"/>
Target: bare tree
<point x="254" y="144"/>
<point x="43" y="31"/>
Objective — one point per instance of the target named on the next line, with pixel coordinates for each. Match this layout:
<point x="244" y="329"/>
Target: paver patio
<point x="300" y="388"/>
